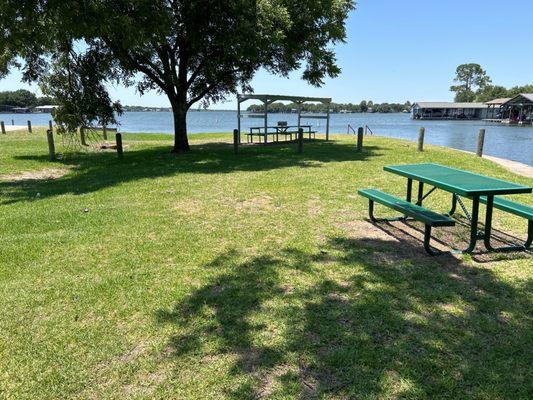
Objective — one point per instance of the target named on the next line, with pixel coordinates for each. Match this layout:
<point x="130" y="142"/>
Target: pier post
<point x="3" y="127"/>
<point x="13" y="122"/>
<point x="300" y="140"/>
<point x="360" y="134"/>
<point x="50" y="125"/>
<point x="51" y="145"/>
<point x="480" y="142"/>
<point x="421" y="134"/>
<point x="236" y="141"/>
<point x="29" y="126"/>
<point x="118" y="140"/>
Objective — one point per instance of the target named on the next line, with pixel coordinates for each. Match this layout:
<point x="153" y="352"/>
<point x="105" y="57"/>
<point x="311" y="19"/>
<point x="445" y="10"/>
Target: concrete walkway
<point x="11" y="128"/>
<point x="513" y="166"/>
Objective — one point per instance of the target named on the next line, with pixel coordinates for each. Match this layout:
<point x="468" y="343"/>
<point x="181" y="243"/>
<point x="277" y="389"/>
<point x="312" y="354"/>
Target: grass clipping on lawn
<point x="211" y="275"/>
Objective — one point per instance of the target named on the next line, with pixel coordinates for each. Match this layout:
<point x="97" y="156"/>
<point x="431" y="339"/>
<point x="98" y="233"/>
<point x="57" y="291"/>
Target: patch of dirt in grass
<point x="398" y="241"/>
<point x="43" y="174"/>
<point x="269" y="379"/>
<point x="394" y="242"/>
<point x="314" y="207"/>
<point x="255" y="204"/>
<point x="189" y="206"/>
<point x="250" y="359"/>
<point x="131" y="354"/>
<point x="309" y="380"/>
<point x="145" y="384"/>
<point x="287" y="289"/>
<point x="366" y="231"/>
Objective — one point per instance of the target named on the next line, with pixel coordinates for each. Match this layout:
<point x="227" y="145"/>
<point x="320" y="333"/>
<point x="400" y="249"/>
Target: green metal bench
<point x="429" y="218"/>
<point x="515" y="208"/>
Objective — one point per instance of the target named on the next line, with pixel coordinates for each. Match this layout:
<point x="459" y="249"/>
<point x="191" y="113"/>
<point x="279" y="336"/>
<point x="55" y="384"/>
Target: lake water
<point x="511" y="142"/>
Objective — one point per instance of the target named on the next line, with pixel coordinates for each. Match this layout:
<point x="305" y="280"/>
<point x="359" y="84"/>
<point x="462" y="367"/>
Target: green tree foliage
<point x="18" y="98"/>
<point x="491" y="92"/>
<point x="24" y="98"/>
<point x="470" y="78"/>
<point x="516" y="90"/>
<point x="77" y="83"/>
<point x="192" y="51"/>
<point x="334" y="107"/>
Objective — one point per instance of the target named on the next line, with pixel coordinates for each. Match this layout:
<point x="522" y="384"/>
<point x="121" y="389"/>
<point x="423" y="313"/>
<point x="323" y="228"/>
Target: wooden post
<point x="82" y="136"/>
<point x="299" y="114"/>
<point x="104" y="132"/>
<point x="239" y="117"/>
<point x="3" y="127"/>
<point x="360" y="133"/>
<point x="120" y="150"/>
<point x="12" y="122"/>
<point x="50" y="125"/>
<point x="29" y="126"/>
<point x="421" y="133"/>
<point x="266" y="121"/>
<point x="300" y="140"/>
<point x="366" y="130"/>
<point x="327" y="122"/>
<point x="480" y="142"/>
<point x="51" y="145"/>
<point x="236" y="141"/>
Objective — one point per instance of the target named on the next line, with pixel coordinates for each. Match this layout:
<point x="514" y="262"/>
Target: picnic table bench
<point x="277" y="131"/>
<point x="479" y="188"/>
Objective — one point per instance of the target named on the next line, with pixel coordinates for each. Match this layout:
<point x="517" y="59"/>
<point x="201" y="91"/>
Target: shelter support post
<point x="327" y="121"/>
<point x="239" y="118"/>
<point x="299" y="114"/>
<point x="266" y="121"/>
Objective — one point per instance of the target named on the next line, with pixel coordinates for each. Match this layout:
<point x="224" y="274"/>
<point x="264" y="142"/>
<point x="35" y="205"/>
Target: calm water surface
<point x="511" y="142"/>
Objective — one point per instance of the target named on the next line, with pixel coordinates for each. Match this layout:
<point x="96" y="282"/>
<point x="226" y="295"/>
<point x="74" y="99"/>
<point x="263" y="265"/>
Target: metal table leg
<point x="488" y="229"/>
<point x="473" y="227"/>
<point x="454" y="205"/>
<point x="409" y="189"/>
<point x="420" y="193"/>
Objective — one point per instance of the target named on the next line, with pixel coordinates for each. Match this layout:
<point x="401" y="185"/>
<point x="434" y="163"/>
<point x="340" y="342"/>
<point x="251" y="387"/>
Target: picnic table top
<point x="279" y="127"/>
<point x="456" y="180"/>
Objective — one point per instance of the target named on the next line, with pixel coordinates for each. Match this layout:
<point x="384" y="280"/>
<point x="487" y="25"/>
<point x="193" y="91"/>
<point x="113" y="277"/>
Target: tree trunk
<point x="181" y="142"/>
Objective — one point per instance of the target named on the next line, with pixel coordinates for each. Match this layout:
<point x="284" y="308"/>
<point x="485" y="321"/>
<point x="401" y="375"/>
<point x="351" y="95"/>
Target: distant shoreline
<point x="234" y="111"/>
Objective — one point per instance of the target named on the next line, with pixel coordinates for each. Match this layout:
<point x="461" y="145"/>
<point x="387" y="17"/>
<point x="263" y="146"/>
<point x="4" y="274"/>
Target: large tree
<point x="190" y="50"/>
<point x="470" y="78"/>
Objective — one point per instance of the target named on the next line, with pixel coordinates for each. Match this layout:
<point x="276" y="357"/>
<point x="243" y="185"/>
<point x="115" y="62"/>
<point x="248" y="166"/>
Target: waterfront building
<point x="518" y="110"/>
<point x="45" y="109"/>
<point x="449" y="110"/>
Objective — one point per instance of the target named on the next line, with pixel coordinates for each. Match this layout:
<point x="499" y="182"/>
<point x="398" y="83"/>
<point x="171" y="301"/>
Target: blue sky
<point x="404" y="50"/>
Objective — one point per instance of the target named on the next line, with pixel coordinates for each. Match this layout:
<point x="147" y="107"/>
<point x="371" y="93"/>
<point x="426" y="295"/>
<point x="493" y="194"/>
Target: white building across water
<point x="45" y="109"/>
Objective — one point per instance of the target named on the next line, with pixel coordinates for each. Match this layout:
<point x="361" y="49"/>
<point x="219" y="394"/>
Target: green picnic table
<point x="478" y="188"/>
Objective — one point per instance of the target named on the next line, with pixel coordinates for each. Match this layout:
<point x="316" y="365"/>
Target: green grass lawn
<point x="210" y="275"/>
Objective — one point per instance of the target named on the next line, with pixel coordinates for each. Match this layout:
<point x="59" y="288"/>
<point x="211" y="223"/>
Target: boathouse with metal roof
<point x="449" y="110"/>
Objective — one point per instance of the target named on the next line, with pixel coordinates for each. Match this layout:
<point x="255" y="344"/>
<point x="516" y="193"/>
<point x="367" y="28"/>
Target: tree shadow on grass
<point x="360" y="319"/>
<point x="94" y="171"/>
